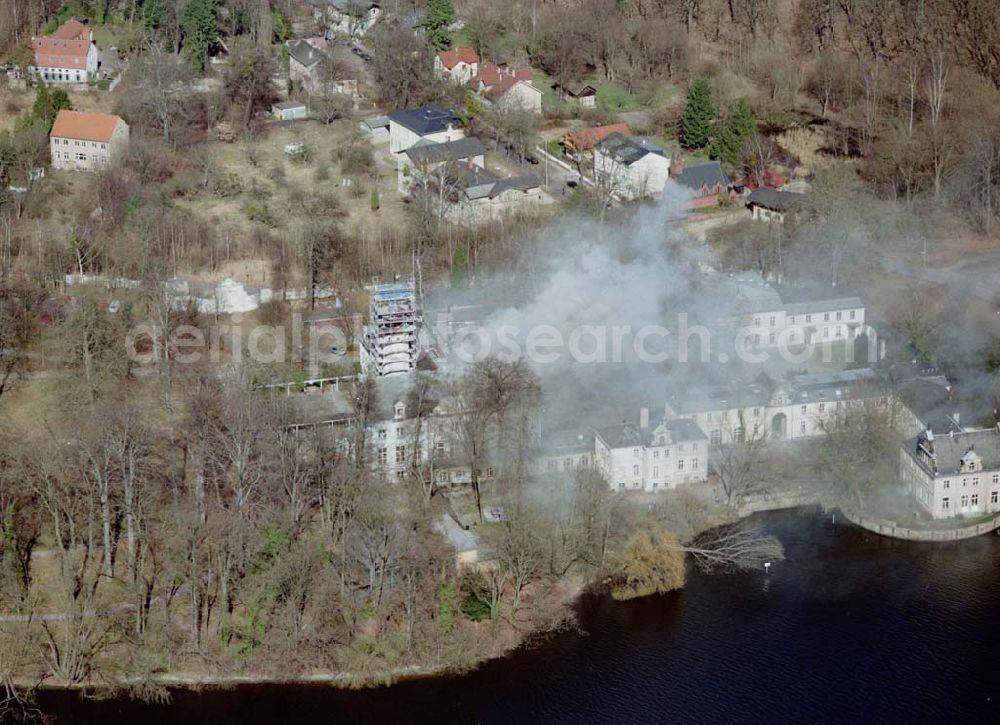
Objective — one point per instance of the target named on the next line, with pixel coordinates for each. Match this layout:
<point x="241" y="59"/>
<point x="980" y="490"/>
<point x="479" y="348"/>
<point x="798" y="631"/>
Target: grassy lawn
<point x="615" y="98"/>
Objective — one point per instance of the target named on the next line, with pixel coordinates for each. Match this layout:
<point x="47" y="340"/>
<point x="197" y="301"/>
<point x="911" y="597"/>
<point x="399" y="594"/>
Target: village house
<point x="448" y="158"/>
<point x="68" y="55"/>
<point x="579" y="144"/>
<point x="771" y="205"/>
<point x="632" y="167"/>
<point x="430" y="123"/>
<point x="647" y="458"/>
<point x="304" y="59"/>
<point x="953" y="474"/>
<point x="353" y="18"/>
<point x="508" y="89"/>
<point x="707" y="182"/>
<point x="583" y="95"/>
<point x="457" y="64"/>
<point x="482" y="196"/>
<point x="87" y="141"/>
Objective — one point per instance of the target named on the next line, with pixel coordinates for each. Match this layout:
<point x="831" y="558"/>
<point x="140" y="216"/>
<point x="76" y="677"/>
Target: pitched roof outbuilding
<point x="451" y="58"/>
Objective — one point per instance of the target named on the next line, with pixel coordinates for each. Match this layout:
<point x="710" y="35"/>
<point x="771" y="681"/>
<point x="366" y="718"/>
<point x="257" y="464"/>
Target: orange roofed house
<point x="67" y="56"/>
<point x="458" y="64"/>
<point x="86" y="141"/>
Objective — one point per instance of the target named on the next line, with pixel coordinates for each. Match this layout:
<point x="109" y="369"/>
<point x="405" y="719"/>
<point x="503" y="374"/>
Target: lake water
<point x="850" y="628"/>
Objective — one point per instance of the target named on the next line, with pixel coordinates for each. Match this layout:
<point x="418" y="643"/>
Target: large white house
<point x="87" y="141"/>
<point x="641" y="457"/>
<point x="69" y="55"/>
<point x="429" y="123"/>
<point x="630" y="167"/>
<point x="953" y="474"/>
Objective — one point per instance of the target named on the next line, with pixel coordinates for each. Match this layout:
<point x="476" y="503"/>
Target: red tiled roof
<point x="451" y="58"/>
<point x="59" y="53"/>
<point x="493" y="77"/>
<point x="84" y="126"/>
<point x="586" y="138"/>
<point x="72" y="29"/>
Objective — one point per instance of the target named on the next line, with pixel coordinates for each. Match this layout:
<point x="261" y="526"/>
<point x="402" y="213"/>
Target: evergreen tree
<point x="459" y="263"/>
<point x="727" y="146"/>
<point x="45" y="108"/>
<point x="152" y="14"/>
<point x="699" y="112"/>
<point x="198" y="25"/>
<point x="440" y="14"/>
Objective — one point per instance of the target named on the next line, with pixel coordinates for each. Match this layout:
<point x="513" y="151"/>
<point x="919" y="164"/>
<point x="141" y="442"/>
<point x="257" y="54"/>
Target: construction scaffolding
<point x="389" y="341"/>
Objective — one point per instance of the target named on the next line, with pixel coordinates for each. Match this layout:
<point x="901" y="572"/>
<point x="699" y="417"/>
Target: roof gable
<point x="451" y="58"/>
<point x="699" y="176"/>
<point x="425" y="119"/>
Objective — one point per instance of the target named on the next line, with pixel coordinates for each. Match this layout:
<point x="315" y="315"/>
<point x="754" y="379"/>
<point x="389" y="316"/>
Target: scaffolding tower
<point x="389" y="340"/>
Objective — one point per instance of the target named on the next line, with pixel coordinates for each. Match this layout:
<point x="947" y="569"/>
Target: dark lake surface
<point x="850" y="628"/>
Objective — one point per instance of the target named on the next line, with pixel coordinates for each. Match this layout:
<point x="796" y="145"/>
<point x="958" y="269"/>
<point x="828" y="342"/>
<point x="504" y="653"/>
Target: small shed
<point x="289" y="111"/>
<point x="463" y="541"/>
<point x="378" y="127"/>
<point x="584" y="95"/>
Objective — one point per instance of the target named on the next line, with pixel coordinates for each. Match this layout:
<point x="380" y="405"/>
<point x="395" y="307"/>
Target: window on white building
<point x="947" y="485"/>
<point x="803" y="410"/>
<point x="809" y="318"/>
<point x="826" y="317"/>
<point x="773" y="321"/>
<point x="680" y="464"/>
<point x="965" y="502"/>
<point x="656" y="472"/>
<point x="635" y="470"/>
<point x="839" y="316"/>
<point x="822" y="407"/>
<point x="994" y="496"/>
<point x="694" y="463"/>
<point x="945" y="503"/>
<point x="383" y="455"/>
<point x="975" y="499"/>
<point x="635" y="452"/>
<point x="656" y="454"/>
<point x="802" y="427"/>
<point x="400" y="454"/>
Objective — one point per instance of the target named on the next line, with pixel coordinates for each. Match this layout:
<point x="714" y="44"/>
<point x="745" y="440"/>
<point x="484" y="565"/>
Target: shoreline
<point x="352" y="681"/>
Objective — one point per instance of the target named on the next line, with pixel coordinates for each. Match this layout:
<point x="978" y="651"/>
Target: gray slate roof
<point x="683" y="430"/>
<point x="805" y="300"/>
<point x="773" y="199"/>
<point x="628" y="149"/>
<point x="305" y="53"/>
<point x="695" y="176"/>
<point x="425" y="119"/>
<point x="949" y="449"/>
<point x="432" y="153"/>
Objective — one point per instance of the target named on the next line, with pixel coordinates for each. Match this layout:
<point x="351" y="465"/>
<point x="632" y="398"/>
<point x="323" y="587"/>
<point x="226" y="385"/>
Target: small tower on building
<point x="389" y="341"/>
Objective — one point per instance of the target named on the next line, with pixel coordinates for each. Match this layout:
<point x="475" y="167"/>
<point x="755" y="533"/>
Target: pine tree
<point x="699" y="112"/>
<point x="739" y="126"/>
<point x="198" y="24"/>
<point x="440" y="14"/>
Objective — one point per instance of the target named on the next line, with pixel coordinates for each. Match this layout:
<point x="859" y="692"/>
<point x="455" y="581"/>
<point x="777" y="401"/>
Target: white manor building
<point x="640" y="457"/>
<point x="957" y="473"/>
<point x="792" y="408"/>
<point x="770" y="317"/>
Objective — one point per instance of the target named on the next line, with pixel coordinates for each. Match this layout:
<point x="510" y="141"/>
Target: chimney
<point x="643" y="418"/>
<point x="676" y="164"/>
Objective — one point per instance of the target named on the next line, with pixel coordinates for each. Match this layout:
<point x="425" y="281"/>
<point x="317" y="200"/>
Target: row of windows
<point x="975" y="481"/>
<point x="969" y="501"/>
<point x="78" y="142"/>
<point x="839" y="316"/>
<point x="656" y="469"/>
<point x="59" y="75"/>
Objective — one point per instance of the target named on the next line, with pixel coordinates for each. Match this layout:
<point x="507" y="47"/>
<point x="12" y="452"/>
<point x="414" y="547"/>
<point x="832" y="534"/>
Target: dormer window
<point x="400" y="410"/>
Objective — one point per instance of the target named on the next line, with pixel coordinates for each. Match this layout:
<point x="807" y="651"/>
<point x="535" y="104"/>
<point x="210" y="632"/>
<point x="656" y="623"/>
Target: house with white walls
<point x="458" y="64"/>
<point x="69" y="55"/>
<point x="426" y="123"/>
<point x="630" y="167"/>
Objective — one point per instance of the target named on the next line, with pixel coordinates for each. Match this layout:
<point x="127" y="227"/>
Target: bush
<point x="260" y="212"/>
<point x="276" y="172"/>
<point x="475" y="598"/>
